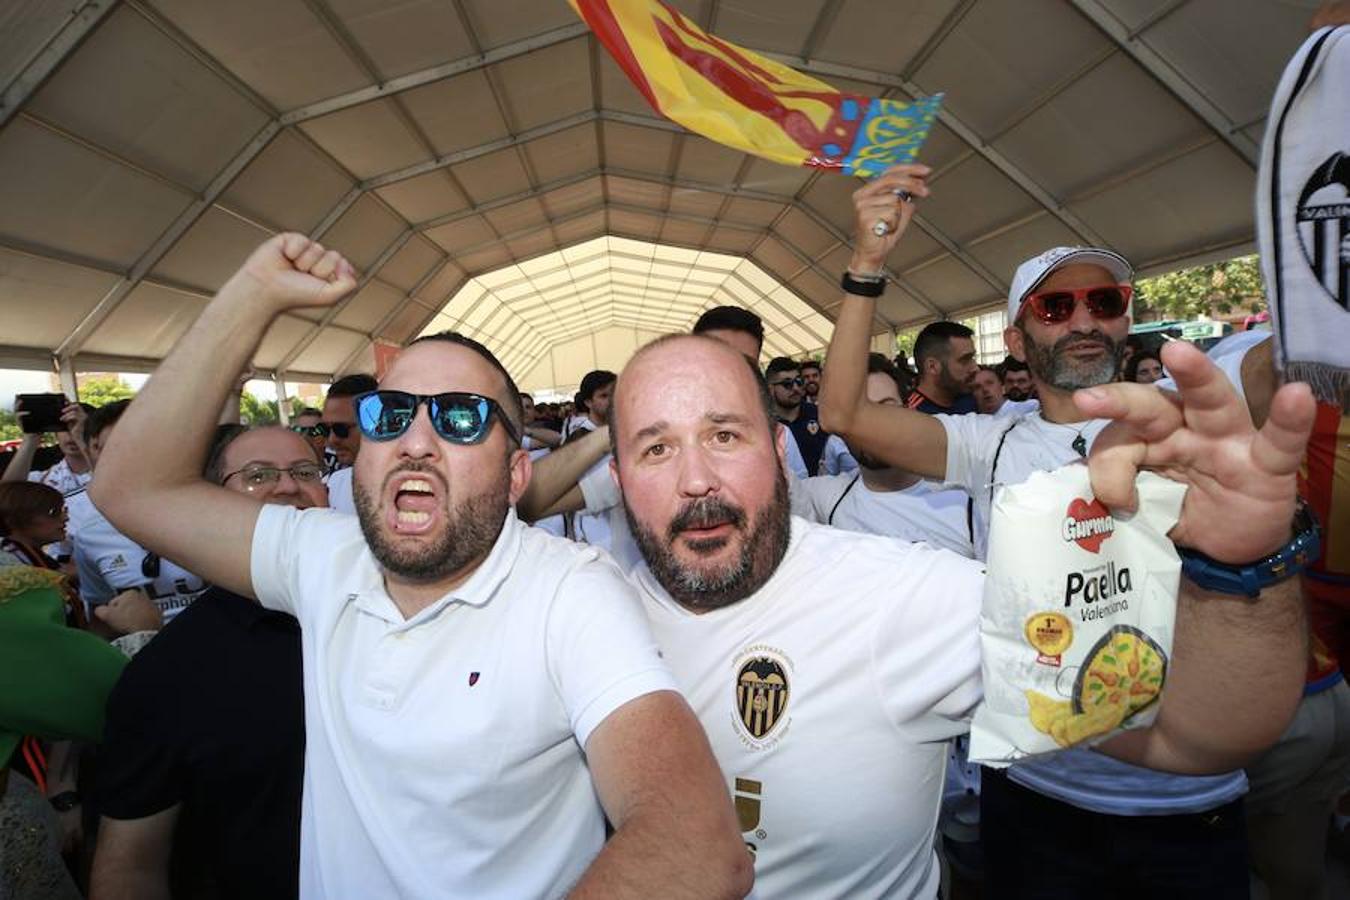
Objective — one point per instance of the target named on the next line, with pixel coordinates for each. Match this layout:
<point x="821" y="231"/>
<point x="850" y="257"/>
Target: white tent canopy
<point x="442" y="145"/>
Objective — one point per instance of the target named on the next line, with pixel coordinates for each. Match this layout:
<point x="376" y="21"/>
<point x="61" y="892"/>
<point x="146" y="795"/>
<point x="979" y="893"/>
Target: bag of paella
<point x="1078" y="614"/>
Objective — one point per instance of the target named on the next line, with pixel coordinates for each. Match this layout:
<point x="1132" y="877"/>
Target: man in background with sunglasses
<point x="479" y="696"/>
<point x="308" y="423"/>
<point x="339" y="418"/>
<point x="1069" y="314"/>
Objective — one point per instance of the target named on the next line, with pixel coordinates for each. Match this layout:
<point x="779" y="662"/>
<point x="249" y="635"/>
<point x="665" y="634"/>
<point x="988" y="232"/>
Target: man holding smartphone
<point x="63" y="418"/>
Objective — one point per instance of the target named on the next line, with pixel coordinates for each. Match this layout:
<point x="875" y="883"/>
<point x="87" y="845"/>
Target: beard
<point x="764" y="543"/>
<point x="468" y="534"/>
<point x="1016" y="394"/>
<point x="1054" y="366"/>
<point x="950" y="384"/>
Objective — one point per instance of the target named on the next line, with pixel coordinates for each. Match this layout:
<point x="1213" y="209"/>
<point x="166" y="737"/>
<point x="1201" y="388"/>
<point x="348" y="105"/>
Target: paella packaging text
<point x="1078" y="614"/>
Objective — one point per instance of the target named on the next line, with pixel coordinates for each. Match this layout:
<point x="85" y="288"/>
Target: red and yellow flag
<point x="743" y="100"/>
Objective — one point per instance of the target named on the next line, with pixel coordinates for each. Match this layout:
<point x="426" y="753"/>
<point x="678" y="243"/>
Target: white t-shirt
<point x="62" y="478"/>
<point x="1084" y="778"/>
<point x="591" y="526"/>
<point x="554" y="525"/>
<point x="1031" y="444"/>
<point x="109" y="562"/>
<point x="853" y="666"/>
<point x="444" y="753"/>
<point x="1017" y="408"/>
<point x="920" y="512"/>
<point x="340" y="491"/>
<point x="603" y="498"/>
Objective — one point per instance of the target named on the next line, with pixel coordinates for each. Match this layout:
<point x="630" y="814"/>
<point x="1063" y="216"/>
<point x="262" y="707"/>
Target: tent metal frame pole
<point x="1152" y="62"/>
<point x="81" y="23"/>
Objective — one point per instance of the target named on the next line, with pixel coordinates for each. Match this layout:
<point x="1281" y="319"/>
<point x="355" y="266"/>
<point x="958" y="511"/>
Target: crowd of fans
<point x="707" y="629"/>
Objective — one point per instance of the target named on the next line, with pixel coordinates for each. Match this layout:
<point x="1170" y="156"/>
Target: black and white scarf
<point x="1303" y="216"/>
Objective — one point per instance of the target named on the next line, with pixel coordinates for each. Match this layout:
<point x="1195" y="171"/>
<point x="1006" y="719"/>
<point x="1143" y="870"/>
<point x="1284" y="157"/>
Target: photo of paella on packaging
<point x="1078" y="614"/>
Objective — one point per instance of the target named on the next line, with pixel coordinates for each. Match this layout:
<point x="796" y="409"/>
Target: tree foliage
<point x="253" y="411"/>
<point x="1224" y="287"/>
<point x="9" y="426"/>
<point x="100" y="390"/>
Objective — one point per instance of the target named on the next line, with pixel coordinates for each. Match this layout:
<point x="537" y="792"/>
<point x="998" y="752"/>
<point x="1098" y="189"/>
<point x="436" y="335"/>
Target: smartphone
<point x="42" y="412"/>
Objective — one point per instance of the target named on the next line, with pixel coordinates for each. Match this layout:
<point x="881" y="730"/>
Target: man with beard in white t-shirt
<point x="881" y="499"/>
<point x="1068" y="310"/>
<point x="830" y="668"/>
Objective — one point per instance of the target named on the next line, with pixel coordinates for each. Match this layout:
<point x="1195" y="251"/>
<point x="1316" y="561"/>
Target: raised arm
<point x="150" y="486"/>
<point x="902" y="437"/>
<point x="1237" y="667"/>
<point x="21" y="463"/>
<point x="553" y="486"/>
<point x="653" y="767"/>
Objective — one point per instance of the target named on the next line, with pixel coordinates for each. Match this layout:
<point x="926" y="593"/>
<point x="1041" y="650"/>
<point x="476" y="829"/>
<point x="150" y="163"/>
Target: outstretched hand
<point x="1242" y="481"/>
<point x="290" y="270"/>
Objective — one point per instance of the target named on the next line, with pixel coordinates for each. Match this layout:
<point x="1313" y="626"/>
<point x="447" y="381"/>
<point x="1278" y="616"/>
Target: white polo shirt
<point x="444" y="752"/>
<point x="828" y="696"/>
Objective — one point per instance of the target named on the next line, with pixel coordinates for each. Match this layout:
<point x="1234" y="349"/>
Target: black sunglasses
<point x="789" y="382"/>
<point x="458" y="417"/>
<point x="341" y="429"/>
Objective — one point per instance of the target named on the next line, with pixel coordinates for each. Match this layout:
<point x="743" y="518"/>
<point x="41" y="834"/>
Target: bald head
<point x="659" y="366"/>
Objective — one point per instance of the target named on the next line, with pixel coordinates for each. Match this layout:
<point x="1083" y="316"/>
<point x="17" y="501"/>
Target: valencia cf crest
<point x="762" y="694"/>
<point x="1323" y="218"/>
<point x="813" y="426"/>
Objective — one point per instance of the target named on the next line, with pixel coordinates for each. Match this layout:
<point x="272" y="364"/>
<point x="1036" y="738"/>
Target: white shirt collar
<point x="478" y="590"/>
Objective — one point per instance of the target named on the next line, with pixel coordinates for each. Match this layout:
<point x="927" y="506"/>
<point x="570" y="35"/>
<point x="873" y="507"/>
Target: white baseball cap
<point x="1031" y="273"/>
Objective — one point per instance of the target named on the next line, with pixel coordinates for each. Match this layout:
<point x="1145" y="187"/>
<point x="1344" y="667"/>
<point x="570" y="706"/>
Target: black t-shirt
<point x="965" y="403"/>
<point x="809" y="435"/>
<point x="210" y="715"/>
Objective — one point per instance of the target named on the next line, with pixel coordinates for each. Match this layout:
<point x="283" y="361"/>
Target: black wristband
<point x="859" y="288"/>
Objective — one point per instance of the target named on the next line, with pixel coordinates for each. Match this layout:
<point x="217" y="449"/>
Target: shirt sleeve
<point x="795" y="463"/>
<point x="838" y="461"/>
<point x="599" y="490"/>
<point x="970" y="449"/>
<point x="927" y="651"/>
<point x="279" y="537"/>
<point x="139" y="765"/>
<point x="601" y="652"/>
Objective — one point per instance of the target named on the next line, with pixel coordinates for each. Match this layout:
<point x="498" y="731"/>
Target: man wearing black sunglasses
<point x="479" y="696"/>
<point x="339" y="417"/>
<point x="308" y="423"/>
<point x="1068" y="314"/>
<point x="787" y="388"/>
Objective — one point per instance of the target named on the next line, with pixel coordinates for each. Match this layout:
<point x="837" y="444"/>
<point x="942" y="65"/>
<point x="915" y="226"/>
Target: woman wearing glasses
<point x="32" y="515"/>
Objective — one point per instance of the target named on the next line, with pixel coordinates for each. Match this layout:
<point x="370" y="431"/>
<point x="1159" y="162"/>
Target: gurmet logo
<point x="1087" y="524"/>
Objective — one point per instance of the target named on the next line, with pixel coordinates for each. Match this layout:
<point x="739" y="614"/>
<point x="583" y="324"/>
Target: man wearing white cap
<point x="1069" y="314"/>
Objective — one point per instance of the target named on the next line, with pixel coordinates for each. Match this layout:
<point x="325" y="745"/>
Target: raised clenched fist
<point x="291" y="270"/>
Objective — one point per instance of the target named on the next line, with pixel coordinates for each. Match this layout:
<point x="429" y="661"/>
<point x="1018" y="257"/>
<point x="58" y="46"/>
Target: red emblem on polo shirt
<point x="473" y="678"/>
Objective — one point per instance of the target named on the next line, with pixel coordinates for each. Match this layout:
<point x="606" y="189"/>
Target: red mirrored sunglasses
<point x="1053" y="307"/>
